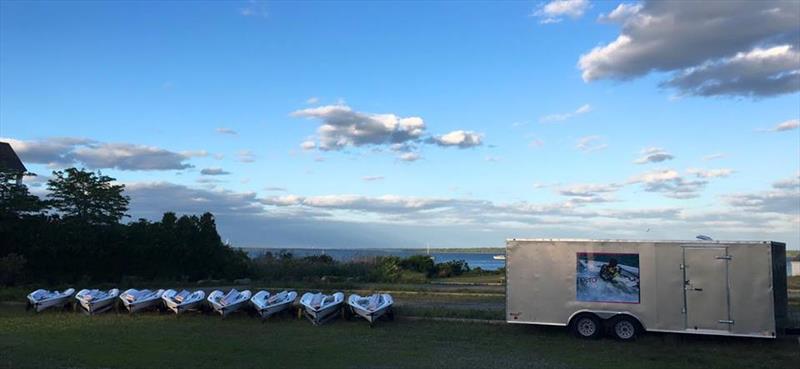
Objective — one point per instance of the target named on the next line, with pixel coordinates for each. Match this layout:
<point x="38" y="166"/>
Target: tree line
<point x="76" y="234"/>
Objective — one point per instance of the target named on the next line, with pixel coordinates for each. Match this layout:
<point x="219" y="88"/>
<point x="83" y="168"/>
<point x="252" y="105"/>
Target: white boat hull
<point x="370" y="314"/>
<point x="40" y="305"/>
<point x="214" y="299"/>
<point x="192" y="302"/>
<point x="140" y="304"/>
<point x="320" y="315"/>
<point x="96" y="306"/>
<point x="265" y="310"/>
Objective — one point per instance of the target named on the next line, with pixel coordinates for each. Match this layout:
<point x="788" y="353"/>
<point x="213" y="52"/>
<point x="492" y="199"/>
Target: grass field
<point x="54" y="339"/>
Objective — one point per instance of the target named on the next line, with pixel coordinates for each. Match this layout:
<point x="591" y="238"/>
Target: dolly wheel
<point x="624" y="328"/>
<point x="587" y="326"/>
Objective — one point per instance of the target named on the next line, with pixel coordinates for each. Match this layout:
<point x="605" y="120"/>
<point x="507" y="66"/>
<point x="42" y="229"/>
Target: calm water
<point x="482" y="260"/>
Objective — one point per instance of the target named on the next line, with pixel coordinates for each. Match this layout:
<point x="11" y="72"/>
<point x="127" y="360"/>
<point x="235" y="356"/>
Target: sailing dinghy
<point x="226" y="303"/>
<point x="267" y="305"/>
<point x="135" y="300"/>
<point x="182" y="301"/>
<point x="320" y="308"/>
<point x="42" y="299"/>
<point x="96" y="301"/>
<point x="371" y="307"/>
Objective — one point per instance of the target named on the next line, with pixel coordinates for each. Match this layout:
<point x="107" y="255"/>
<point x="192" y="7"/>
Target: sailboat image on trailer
<point x="627" y="287"/>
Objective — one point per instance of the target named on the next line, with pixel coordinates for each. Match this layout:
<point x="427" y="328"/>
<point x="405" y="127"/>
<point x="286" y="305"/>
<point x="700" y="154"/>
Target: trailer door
<point x="706" y="288"/>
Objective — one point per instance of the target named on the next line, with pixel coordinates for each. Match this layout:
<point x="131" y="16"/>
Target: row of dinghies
<point x="317" y="307"/>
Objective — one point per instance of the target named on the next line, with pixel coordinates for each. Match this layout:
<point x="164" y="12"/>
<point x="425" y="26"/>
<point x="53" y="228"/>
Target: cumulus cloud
<point x="756" y="73"/>
<point x="226" y="131"/>
<point x="784" y="198"/>
<point x="669" y="183"/>
<point x="559" y="117"/>
<point x="342" y="127"/>
<point x="214" y="172"/>
<point x="67" y="151"/>
<point x="555" y="10"/>
<point x="409" y="156"/>
<point x="461" y="139"/>
<point x="590" y="193"/>
<point x="308" y="145"/>
<point x="590" y="143"/>
<point x="654" y="155"/>
<point x="705" y="46"/>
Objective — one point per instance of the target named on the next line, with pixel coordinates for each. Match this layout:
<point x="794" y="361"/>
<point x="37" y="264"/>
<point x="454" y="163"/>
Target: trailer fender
<point x="606" y="315"/>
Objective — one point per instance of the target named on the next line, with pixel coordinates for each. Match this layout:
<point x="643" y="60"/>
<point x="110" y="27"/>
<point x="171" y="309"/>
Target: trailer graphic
<point x="607" y="277"/>
<point x="626" y="287"/>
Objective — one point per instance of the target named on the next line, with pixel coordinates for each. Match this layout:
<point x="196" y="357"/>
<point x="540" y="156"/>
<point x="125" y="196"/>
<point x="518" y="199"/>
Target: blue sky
<point x="524" y="119"/>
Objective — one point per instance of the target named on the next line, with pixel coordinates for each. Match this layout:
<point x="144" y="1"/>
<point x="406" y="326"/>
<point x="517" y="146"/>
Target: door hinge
<point x="724" y="321"/>
<point x="724" y="257"/>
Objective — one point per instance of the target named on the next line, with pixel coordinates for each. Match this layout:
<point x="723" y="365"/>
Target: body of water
<point x="483" y="260"/>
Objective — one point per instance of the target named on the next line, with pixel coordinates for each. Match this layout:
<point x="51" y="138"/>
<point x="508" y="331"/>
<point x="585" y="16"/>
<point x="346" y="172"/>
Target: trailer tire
<point x="624" y="328"/>
<point x="587" y="326"/>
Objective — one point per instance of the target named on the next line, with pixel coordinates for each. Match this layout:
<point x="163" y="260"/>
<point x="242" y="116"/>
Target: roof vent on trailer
<point x="703" y="237"/>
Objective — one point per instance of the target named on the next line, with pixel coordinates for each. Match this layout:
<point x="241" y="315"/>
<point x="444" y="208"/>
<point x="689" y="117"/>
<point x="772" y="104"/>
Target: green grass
<point x="473" y="278"/>
<point x="53" y="340"/>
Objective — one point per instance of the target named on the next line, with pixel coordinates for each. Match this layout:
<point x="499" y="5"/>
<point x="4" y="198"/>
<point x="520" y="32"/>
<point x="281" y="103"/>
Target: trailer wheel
<point x="587" y="326"/>
<point x="624" y="328"/>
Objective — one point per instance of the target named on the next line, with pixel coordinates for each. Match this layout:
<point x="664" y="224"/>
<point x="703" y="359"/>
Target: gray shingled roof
<point x="9" y="159"/>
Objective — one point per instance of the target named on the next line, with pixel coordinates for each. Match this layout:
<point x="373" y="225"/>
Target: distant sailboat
<point x="499" y="257"/>
<point x="429" y="251"/>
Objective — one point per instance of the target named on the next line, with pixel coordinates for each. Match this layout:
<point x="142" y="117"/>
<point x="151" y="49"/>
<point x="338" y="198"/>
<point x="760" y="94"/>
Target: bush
<point x="12" y="269"/>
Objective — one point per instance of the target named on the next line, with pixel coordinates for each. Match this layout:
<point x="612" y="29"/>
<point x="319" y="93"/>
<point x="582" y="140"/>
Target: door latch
<point x="724" y="321"/>
<point x="724" y="257"/>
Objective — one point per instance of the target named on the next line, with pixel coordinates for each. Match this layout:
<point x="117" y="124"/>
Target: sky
<point x="405" y="124"/>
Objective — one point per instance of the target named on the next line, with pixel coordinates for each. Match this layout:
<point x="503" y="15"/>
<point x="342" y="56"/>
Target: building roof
<point x="9" y="159"/>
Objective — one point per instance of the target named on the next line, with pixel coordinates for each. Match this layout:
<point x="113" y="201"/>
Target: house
<point x="9" y="162"/>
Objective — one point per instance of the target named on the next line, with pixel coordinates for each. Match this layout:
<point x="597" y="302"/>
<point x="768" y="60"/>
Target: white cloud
<point x="246" y="156"/>
<point x="710" y="173"/>
<point x="312" y="100"/>
<point x="669" y="183"/>
<point x="705" y="45"/>
<point x="308" y="145"/>
<point x="621" y="13"/>
<point x="553" y="11"/>
<point x="67" y="151"/>
<point x="226" y="131"/>
<point x="255" y="8"/>
<point x="654" y="155"/>
<point x="583" y="109"/>
<point x="409" y="156"/>
<point x="784" y="198"/>
<point x="461" y="139"/>
<point x="342" y="127"/>
<point x="372" y="178"/>
<point x="213" y="172"/>
<point x="788" y="125"/>
<point x="714" y="156"/>
<point x="590" y="143"/>
<point x="535" y="143"/>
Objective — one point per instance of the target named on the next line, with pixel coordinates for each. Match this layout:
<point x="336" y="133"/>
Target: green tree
<point x="15" y="199"/>
<point x="88" y="197"/>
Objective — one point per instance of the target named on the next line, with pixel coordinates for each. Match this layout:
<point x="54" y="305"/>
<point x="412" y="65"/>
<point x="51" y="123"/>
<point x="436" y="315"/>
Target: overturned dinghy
<point x="372" y="307"/>
<point x="135" y="300"/>
<point x="182" y="301"/>
<point x="267" y="305"/>
<point x="96" y="301"/>
<point x="320" y="308"/>
<point x="42" y="299"/>
<point x="227" y="303"/>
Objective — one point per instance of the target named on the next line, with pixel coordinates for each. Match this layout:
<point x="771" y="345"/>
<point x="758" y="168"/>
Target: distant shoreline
<point x="464" y="250"/>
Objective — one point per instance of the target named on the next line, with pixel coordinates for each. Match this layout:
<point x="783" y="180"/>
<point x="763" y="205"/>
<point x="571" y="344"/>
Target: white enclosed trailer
<point x="624" y="287"/>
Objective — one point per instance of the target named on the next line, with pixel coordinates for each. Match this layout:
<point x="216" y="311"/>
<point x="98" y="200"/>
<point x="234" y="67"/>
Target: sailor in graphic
<point x="611" y="270"/>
